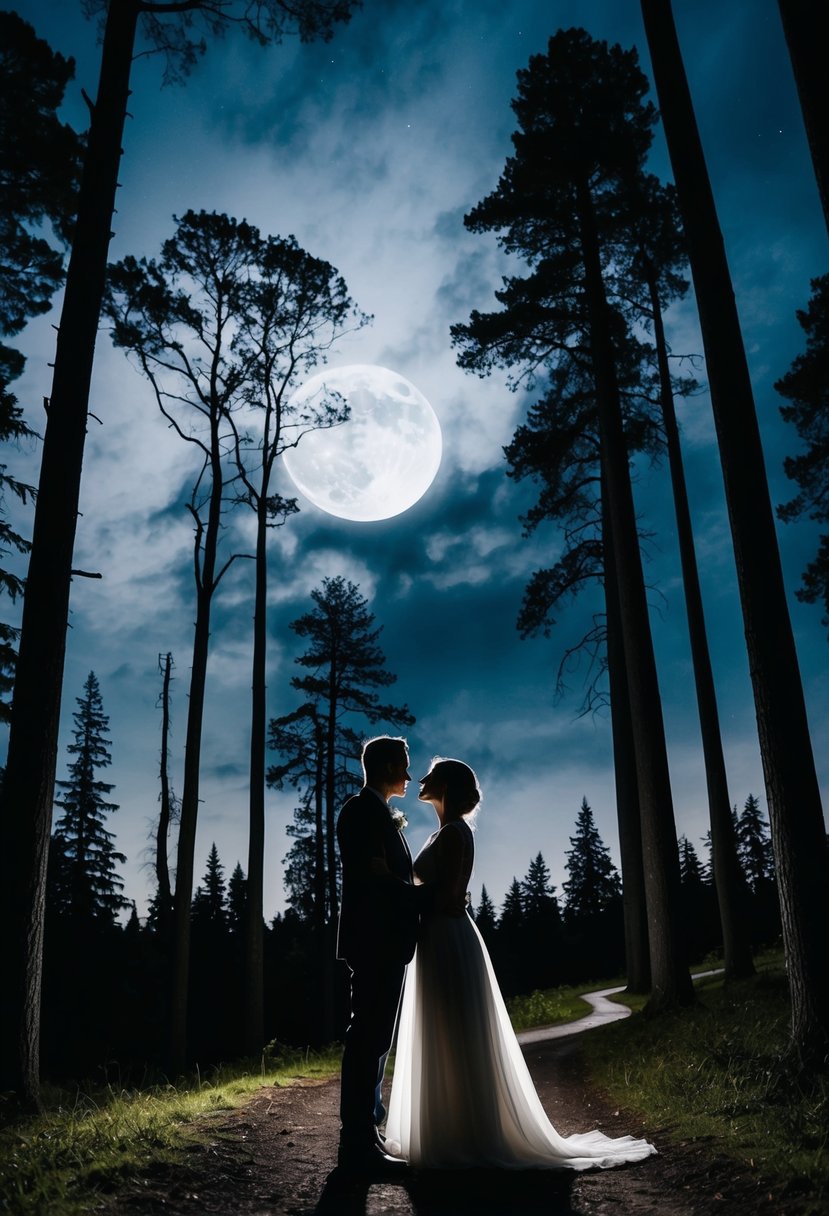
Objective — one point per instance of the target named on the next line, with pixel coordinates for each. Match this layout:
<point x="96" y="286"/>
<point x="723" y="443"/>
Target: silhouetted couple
<point x="461" y="1094"/>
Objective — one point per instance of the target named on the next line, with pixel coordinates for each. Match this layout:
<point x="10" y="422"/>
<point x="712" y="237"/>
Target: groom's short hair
<point x="379" y="753"/>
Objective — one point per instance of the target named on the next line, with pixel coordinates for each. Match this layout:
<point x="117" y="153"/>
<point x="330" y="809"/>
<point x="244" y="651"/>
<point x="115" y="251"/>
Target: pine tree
<point x="538" y="893"/>
<point x="210" y="900"/>
<point x="541" y="934"/>
<point x="301" y="880"/>
<point x="59" y="880"/>
<point x="805" y="386"/>
<point x="690" y="866"/>
<point x="345" y="667"/>
<point x="584" y="131"/>
<point x="39" y="160"/>
<point x="510" y="945"/>
<point x="754" y="844"/>
<point x="512" y="910"/>
<point x="40" y="169"/>
<point x="300" y="736"/>
<point x="12" y="429"/>
<point x="486" y="917"/>
<point x="93" y="891"/>
<point x="593" y="880"/>
<point x="702" y="927"/>
<point x="236" y="900"/>
<point x="213" y="1007"/>
<point x="133" y="926"/>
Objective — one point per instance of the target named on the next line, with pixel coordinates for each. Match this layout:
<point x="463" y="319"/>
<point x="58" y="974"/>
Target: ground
<point x="276" y="1156"/>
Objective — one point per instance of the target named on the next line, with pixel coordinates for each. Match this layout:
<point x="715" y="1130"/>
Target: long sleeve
<point x="451" y="855"/>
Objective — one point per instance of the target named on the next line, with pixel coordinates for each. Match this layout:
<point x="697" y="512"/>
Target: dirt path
<point x="276" y="1157"/>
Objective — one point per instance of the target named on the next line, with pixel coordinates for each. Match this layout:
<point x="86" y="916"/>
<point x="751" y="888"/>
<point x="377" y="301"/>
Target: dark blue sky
<point x="370" y="150"/>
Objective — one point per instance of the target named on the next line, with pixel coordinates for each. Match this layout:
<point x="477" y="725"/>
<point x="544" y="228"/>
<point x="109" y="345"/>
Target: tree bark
<point x="329" y="969"/>
<point x="30" y="772"/>
<point x="637" y="950"/>
<point x="728" y="875"/>
<point x="324" y="946"/>
<point x="185" y="852"/>
<point x="670" y="981"/>
<point x="331" y="795"/>
<point x="319" y="829"/>
<point x="795" y="811"/>
<point x="162" y="869"/>
<point x="254" y="1018"/>
<point x="807" y="50"/>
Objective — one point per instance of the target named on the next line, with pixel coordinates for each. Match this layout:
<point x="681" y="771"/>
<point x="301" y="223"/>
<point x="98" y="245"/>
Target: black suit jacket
<point x="378" y="912"/>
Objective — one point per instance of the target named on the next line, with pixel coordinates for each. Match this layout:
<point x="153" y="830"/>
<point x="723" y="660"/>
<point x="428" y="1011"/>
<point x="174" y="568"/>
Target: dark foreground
<point x="276" y="1157"/>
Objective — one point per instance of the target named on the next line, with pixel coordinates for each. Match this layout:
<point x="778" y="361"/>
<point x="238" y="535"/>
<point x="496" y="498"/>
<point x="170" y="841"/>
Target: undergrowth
<point x="86" y="1142"/>
<point x="721" y="1071"/>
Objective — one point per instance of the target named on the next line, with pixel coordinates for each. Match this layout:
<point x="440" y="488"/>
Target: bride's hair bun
<point x="461" y="790"/>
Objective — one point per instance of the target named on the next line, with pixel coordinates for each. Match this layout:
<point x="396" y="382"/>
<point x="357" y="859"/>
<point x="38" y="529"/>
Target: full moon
<point x="379" y="462"/>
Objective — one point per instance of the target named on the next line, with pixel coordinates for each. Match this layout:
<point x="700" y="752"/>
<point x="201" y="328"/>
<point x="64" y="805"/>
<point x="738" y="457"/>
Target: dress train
<point x="462" y="1095"/>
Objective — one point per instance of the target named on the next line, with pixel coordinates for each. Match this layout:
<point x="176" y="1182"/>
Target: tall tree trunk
<point x="322" y="939"/>
<point x="671" y="983"/>
<point x="319" y="831"/>
<point x="795" y="812"/>
<point x="728" y="874"/>
<point x="807" y="50"/>
<point x="207" y="540"/>
<point x="330" y="798"/>
<point x="254" y="935"/>
<point x="30" y="770"/>
<point x="162" y="869"/>
<point x="329" y="969"/>
<point x="637" y="950"/>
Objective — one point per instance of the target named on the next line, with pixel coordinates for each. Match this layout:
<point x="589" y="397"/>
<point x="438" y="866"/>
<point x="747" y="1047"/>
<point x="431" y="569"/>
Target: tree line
<point x="225" y="318"/>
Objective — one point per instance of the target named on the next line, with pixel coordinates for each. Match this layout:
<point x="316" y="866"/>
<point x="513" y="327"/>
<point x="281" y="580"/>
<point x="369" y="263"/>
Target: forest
<point x="221" y="323"/>
<point x="105" y="982"/>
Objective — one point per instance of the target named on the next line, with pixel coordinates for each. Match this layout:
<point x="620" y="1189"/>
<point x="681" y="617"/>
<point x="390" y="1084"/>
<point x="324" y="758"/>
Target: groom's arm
<point x="360" y="837"/>
<point x="360" y="834"/>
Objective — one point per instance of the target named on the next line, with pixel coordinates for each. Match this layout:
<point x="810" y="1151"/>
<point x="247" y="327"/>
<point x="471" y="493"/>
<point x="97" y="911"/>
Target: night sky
<point x="370" y="150"/>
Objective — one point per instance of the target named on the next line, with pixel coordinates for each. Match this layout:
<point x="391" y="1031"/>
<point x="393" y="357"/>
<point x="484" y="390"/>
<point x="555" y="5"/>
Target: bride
<point x="462" y="1094"/>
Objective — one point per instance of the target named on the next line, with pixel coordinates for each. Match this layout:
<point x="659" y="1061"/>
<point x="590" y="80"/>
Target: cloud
<point x="371" y="149"/>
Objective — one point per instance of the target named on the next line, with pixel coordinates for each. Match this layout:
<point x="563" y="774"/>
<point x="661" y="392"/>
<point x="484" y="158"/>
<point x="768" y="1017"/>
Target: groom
<point x="377" y="934"/>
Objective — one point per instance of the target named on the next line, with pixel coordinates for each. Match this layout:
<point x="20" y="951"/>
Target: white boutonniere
<point x="399" y="820"/>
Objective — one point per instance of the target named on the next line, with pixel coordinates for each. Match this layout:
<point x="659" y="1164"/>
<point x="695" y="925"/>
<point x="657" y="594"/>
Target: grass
<point x="84" y="1143"/>
<point x="719" y="1071"/>
<point x="87" y="1141"/>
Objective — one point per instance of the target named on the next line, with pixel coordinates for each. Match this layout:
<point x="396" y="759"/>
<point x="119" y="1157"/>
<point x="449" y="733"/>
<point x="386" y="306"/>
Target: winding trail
<point x="603" y="1011"/>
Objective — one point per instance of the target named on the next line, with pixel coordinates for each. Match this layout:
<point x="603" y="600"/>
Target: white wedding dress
<point x="462" y="1095"/>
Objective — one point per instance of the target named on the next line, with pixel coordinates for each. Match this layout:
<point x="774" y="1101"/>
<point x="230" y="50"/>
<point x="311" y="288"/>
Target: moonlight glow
<point x="378" y="463"/>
